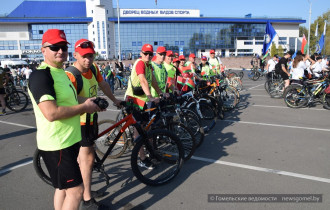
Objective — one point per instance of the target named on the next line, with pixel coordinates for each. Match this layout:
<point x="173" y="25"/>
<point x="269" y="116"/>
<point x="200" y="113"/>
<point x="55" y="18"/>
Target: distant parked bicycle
<point x="15" y="100"/>
<point x="121" y="80"/>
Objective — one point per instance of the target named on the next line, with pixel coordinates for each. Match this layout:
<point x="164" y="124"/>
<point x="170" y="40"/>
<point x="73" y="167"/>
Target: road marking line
<point x="268" y="170"/>
<point x="14" y="167"/>
<point x="276" y="125"/>
<point x="254" y="87"/>
<point x="256" y="95"/>
<point x="284" y="107"/>
<point x="113" y="110"/>
<point x="9" y="123"/>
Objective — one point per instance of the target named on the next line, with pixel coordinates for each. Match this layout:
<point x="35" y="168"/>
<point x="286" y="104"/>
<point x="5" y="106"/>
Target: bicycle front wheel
<point x="326" y="100"/>
<point x="295" y="96"/>
<point x="103" y="142"/>
<point x="165" y="151"/>
<point x="40" y="167"/>
<point x="17" y="101"/>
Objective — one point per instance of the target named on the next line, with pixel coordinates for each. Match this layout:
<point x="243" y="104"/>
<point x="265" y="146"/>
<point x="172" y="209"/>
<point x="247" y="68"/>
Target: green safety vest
<point x="134" y="79"/>
<point x="214" y="62"/>
<point x="207" y="70"/>
<point x="161" y="77"/>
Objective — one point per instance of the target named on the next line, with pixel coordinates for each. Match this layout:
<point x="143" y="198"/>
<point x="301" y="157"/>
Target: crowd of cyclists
<point x="66" y="109"/>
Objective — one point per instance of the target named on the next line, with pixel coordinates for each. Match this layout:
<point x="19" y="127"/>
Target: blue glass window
<point x="181" y="42"/>
<point x="177" y="42"/>
<point x="133" y="43"/>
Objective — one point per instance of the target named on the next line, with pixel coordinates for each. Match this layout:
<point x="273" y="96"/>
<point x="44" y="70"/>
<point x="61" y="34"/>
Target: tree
<point x="303" y="30"/>
<point x="273" y="50"/>
<point x="280" y="51"/>
<point x="315" y="39"/>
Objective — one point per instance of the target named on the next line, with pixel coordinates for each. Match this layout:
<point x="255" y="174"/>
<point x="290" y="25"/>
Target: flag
<point x="321" y="42"/>
<point x="186" y="69"/>
<point x="294" y="55"/>
<point x="265" y="56"/>
<point x="181" y="80"/>
<point x="170" y="81"/>
<point x="304" y="45"/>
<point x="269" y="36"/>
<point x="136" y="102"/>
<point x="190" y="82"/>
<point x="317" y="28"/>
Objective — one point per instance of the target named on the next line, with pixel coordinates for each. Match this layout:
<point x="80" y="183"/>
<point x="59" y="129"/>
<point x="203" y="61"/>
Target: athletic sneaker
<point x="92" y="205"/>
<point x="97" y="194"/>
<point x="3" y="113"/>
<point x="146" y="163"/>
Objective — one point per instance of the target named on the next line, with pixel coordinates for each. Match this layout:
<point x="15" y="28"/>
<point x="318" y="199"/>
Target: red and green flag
<point x="170" y="81"/>
<point x="181" y="80"/>
<point x="190" y="82"/>
<point x="136" y="102"/>
<point x="304" y="45"/>
<point x="186" y="69"/>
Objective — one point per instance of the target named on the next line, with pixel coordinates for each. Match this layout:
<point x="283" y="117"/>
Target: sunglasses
<point x="56" y="48"/>
<point x="86" y="44"/>
<point x="162" y="54"/>
<point x="148" y="53"/>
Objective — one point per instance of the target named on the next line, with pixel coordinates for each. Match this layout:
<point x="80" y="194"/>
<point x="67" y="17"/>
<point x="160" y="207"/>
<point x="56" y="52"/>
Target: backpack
<point x="76" y="73"/>
<point x="278" y="68"/>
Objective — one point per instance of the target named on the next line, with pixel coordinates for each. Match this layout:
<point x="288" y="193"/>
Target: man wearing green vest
<point x="191" y="62"/>
<point x="171" y="71"/>
<point x="142" y="77"/>
<point x="57" y="113"/>
<point x="215" y="63"/>
<point x="160" y="72"/>
<point x="91" y="79"/>
<point x="205" y="68"/>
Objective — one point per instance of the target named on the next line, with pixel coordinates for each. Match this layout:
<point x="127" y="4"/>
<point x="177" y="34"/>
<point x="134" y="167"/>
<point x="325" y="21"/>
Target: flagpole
<point x="325" y="33"/>
<point x="118" y="15"/>
<point x="309" y="28"/>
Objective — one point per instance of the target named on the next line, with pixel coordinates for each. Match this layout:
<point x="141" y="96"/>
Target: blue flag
<point x="294" y="55"/>
<point x="269" y="36"/>
<point x="320" y="45"/>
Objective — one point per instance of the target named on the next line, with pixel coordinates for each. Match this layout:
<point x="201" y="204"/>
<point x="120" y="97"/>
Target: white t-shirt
<point x="27" y="73"/>
<point x="317" y="69"/>
<point x="298" y="72"/>
<point x="308" y="66"/>
<point x="271" y="65"/>
<point x="324" y="63"/>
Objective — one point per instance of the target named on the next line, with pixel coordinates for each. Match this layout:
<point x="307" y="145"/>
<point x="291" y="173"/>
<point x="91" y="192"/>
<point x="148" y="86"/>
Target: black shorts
<point x="63" y="167"/>
<point x="284" y="75"/>
<point x="2" y="91"/>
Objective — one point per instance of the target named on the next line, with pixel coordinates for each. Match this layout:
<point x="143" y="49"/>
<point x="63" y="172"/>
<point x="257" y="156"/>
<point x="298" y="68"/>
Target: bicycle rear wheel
<point x="229" y="98"/>
<point x="295" y="96"/>
<point x="195" y="127"/>
<point x="165" y="151"/>
<point x="17" y="101"/>
<point x="275" y="89"/>
<point x="102" y="143"/>
<point x="40" y="168"/>
<point x="326" y="101"/>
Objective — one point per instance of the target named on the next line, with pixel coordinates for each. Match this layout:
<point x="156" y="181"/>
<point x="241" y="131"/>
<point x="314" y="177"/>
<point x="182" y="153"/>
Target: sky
<point x="220" y="8"/>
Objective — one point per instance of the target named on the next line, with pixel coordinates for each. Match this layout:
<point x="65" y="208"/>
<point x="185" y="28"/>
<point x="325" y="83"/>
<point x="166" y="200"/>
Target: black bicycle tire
<point x="256" y="76"/>
<point x="271" y="91"/>
<point x="199" y="132"/>
<point x="224" y="95"/>
<point x="121" y="151"/>
<point x="241" y="75"/>
<point x="39" y="170"/>
<point x="8" y="103"/>
<point x="178" y="162"/>
<point x="288" y="90"/>
<point x="117" y="84"/>
<point x="326" y="100"/>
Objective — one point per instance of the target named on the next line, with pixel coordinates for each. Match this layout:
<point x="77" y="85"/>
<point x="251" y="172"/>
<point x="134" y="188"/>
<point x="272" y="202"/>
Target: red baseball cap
<point x="212" y="52"/>
<point x="161" y="50"/>
<point x="169" y="53"/>
<point x="204" y="58"/>
<point x="181" y="57"/>
<point x="176" y="54"/>
<point x="175" y="60"/>
<point x="147" y="48"/>
<point x="154" y="58"/>
<point x="84" y="46"/>
<point x="54" y="36"/>
<point x="192" y="55"/>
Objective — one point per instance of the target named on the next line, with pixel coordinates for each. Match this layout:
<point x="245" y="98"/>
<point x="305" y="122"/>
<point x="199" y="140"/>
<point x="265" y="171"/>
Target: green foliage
<point x="315" y="39"/>
<point x="273" y="50"/>
<point x="303" y="30"/>
<point x="280" y="51"/>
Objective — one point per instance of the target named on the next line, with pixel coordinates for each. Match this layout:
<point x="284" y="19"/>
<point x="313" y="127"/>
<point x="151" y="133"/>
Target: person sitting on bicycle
<point x="139" y="90"/>
<point x="84" y="55"/>
<point x="4" y="79"/>
<point x="215" y="63"/>
<point x="317" y="68"/>
<point x="271" y="66"/>
<point x="282" y="68"/>
<point x="298" y="70"/>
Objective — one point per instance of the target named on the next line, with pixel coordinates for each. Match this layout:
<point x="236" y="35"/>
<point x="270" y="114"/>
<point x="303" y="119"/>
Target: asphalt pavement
<point x="264" y="155"/>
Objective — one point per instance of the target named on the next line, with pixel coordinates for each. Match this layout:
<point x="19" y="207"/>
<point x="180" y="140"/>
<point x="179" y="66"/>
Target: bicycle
<point x="297" y="96"/>
<point x="121" y="81"/>
<point x="15" y="100"/>
<point x="161" y="146"/>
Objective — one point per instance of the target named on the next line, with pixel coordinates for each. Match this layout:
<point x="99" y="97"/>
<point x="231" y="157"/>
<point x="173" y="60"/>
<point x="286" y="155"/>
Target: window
<point x="155" y="43"/>
<point x="27" y="47"/>
<point x="181" y="42"/>
<point x="2" y="48"/>
<point x="259" y="43"/>
<point x="68" y="31"/>
<point x="201" y="30"/>
<point x="248" y="43"/>
<point x="161" y="43"/>
<point x="259" y="38"/>
<point x="41" y="31"/>
<point x="11" y="47"/>
<point x="177" y="42"/>
<point x="139" y="43"/>
<point x="133" y="43"/>
<point x="92" y="11"/>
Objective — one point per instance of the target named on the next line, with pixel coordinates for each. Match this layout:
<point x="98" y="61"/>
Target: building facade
<point x="180" y="30"/>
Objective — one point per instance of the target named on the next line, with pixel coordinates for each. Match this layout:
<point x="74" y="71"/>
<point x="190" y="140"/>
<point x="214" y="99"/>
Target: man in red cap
<point x="215" y="63"/>
<point x="86" y="78"/>
<point x="191" y="62"/>
<point x="205" y="68"/>
<point x="171" y="70"/>
<point x="160" y="72"/>
<point x="139" y="89"/>
<point x="57" y="112"/>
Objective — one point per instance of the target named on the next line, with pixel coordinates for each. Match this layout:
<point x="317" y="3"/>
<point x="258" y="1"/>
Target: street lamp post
<point x="309" y="28"/>
<point x="118" y="15"/>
